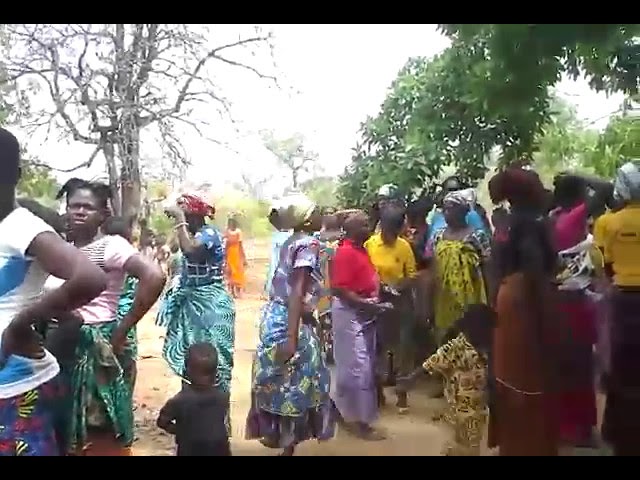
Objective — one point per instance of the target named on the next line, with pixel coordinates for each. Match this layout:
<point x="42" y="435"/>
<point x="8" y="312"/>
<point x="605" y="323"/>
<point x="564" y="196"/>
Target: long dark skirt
<point x="621" y="426"/>
<point x="577" y="399"/>
<point x="395" y="331"/>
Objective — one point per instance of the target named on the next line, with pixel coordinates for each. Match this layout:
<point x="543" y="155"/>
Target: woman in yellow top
<point x="459" y="253"/>
<point x="621" y="426"/>
<point x="393" y="259"/>
<point x="235" y="259"/>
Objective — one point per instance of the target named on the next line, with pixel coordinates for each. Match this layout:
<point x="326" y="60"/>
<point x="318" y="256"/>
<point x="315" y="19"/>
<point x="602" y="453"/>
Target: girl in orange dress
<point x="235" y="259"/>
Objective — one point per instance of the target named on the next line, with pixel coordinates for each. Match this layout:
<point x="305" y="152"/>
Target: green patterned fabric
<point x="101" y="393"/>
<point x="124" y="307"/>
<point x="199" y="314"/>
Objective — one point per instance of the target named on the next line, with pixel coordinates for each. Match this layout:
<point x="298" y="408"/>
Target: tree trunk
<point x="112" y="170"/>
<point x="130" y="178"/>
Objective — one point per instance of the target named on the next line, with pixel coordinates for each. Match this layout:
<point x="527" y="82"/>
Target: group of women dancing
<point x="551" y="276"/>
<point x="555" y="275"/>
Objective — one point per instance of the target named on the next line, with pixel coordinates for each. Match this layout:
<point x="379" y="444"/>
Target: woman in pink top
<point x="577" y="403"/>
<point x="101" y="414"/>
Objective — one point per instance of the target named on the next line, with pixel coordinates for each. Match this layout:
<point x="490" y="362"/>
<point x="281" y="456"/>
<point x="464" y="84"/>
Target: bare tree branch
<point x="107" y="83"/>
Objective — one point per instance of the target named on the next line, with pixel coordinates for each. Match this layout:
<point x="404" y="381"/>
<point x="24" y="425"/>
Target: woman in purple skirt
<point x="355" y="285"/>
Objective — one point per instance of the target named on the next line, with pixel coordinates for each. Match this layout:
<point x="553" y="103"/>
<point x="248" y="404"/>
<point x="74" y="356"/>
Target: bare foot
<point x="288" y="452"/>
<point x="364" y="431"/>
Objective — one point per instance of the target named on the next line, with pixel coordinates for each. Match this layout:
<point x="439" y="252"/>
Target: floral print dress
<point x="290" y="401"/>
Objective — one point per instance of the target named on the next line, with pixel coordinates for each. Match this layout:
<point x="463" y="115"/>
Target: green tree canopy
<point x="488" y="94"/>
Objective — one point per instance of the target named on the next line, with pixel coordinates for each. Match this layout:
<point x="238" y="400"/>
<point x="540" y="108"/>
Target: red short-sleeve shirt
<point x="352" y="270"/>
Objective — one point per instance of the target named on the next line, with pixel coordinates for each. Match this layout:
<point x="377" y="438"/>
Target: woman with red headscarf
<point x="522" y="420"/>
<point x="198" y="308"/>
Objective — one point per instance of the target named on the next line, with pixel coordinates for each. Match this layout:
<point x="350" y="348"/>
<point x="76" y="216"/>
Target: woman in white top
<point x="30" y="250"/>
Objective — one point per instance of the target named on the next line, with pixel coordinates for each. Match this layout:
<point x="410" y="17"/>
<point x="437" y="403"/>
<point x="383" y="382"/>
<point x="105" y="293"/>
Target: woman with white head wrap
<point x="290" y="388"/>
<point x="621" y="425"/>
<point x="459" y="252"/>
<point x="474" y="216"/>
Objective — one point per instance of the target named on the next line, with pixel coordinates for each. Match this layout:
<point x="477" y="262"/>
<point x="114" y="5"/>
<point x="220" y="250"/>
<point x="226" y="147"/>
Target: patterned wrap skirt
<point x="27" y="422"/>
<point x="290" y="402"/>
<point x="101" y="390"/>
<point x="198" y="314"/>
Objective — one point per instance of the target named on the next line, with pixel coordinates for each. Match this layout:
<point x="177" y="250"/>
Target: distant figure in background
<point x="235" y="258"/>
<point x="175" y="262"/>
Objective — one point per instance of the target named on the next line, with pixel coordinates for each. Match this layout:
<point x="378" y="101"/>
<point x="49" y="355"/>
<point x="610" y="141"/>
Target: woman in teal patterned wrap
<point x="198" y="308"/>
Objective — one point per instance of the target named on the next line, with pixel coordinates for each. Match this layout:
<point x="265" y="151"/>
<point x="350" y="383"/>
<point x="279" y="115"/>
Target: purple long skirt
<point x="354" y="344"/>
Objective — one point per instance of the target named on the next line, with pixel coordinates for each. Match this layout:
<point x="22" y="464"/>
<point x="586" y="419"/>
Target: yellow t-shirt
<point x="600" y="228"/>
<point x="622" y="246"/>
<point x="393" y="263"/>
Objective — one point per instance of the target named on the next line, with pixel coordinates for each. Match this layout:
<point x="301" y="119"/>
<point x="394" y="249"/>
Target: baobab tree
<point x="107" y="83"/>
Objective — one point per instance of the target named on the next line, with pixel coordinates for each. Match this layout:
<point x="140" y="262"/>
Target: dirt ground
<point x="412" y="434"/>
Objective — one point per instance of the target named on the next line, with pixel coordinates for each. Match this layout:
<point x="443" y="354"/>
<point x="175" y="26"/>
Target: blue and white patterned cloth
<point x="21" y="283"/>
<point x="199" y="309"/>
<point x="290" y="401"/>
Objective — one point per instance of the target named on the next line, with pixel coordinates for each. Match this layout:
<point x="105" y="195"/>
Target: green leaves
<point x="37" y="183"/>
<point x="488" y="92"/>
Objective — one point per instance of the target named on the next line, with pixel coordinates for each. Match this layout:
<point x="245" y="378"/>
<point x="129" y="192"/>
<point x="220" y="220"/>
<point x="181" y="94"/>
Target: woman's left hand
<point x="118" y="340"/>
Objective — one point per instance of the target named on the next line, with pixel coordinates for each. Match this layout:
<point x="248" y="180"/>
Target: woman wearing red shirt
<point x="355" y="286"/>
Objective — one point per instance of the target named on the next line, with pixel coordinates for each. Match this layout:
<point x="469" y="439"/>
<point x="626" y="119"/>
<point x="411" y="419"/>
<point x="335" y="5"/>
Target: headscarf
<point x="388" y="191"/>
<point x="195" y="205"/>
<point x="519" y="186"/>
<point x="461" y="197"/>
<point x="626" y="186"/>
<point x="294" y="209"/>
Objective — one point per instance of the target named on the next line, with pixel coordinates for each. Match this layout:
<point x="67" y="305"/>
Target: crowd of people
<point x="517" y="320"/>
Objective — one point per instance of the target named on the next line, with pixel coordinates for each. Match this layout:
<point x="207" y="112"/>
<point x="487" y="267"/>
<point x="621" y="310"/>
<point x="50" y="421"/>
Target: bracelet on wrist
<point x="180" y="225"/>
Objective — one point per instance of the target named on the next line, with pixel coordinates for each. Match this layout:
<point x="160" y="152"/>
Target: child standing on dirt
<point x="196" y="415"/>
<point x="464" y="363"/>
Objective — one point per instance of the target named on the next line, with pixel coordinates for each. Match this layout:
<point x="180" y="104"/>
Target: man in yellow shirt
<point x="621" y="425"/>
<point x="393" y="259"/>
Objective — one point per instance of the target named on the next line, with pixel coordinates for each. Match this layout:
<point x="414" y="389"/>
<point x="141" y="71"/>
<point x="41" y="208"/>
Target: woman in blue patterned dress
<point x="198" y="308"/>
<point x="290" y="388"/>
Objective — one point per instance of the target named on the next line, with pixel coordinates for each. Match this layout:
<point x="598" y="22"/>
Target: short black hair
<point x="568" y="189"/>
<point x="392" y="218"/>
<point x="9" y="158"/>
<point x="100" y="190"/>
<point x="419" y="209"/>
<point x="331" y="221"/>
<point x="204" y="356"/>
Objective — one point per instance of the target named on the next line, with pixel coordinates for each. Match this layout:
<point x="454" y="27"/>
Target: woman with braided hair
<point x="198" y="308"/>
<point x="101" y="411"/>
<point x="523" y="414"/>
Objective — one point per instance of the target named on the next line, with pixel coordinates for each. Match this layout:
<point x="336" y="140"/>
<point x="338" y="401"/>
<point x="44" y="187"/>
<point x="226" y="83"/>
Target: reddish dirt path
<point x="411" y="434"/>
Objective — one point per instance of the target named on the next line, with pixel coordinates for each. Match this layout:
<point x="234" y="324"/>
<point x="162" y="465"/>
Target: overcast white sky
<point x="340" y="73"/>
